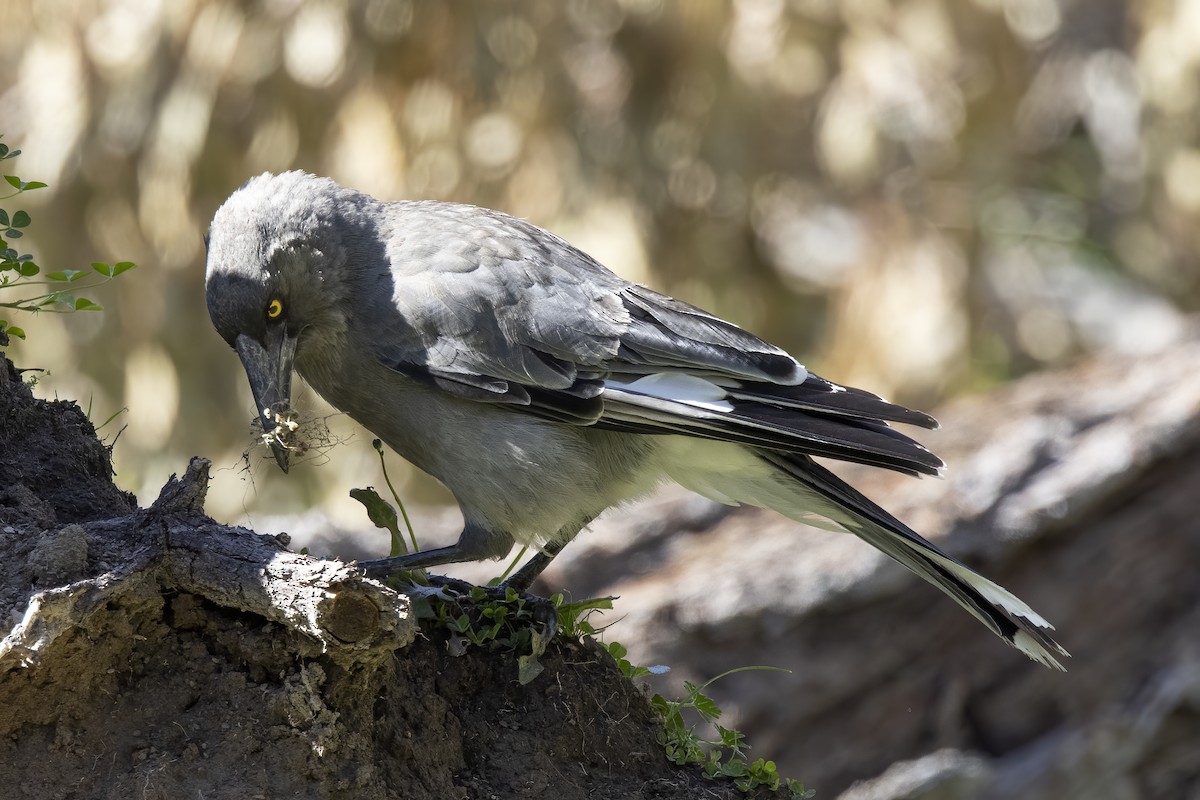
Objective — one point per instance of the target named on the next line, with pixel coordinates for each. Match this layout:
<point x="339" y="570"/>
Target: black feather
<point x="819" y="395"/>
<point x="787" y="430"/>
<point x="905" y="545"/>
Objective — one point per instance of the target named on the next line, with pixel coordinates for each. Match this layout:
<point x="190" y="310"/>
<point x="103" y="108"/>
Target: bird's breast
<point x="530" y="476"/>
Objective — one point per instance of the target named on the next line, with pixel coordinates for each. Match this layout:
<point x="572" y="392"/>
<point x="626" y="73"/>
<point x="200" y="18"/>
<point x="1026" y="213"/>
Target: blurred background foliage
<point x="923" y="197"/>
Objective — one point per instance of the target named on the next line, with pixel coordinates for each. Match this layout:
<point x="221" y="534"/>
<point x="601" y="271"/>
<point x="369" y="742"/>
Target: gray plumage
<point x="540" y="387"/>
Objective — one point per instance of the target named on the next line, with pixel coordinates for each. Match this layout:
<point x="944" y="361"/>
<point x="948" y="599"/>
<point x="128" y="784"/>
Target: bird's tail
<point x="798" y="487"/>
<point x="1004" y="613"/>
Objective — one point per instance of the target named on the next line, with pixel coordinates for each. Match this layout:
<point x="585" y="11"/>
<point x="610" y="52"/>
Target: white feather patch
<point x="993" y="593"/>
<point x="681" y="388"/>
<point x="1027" y="645"/>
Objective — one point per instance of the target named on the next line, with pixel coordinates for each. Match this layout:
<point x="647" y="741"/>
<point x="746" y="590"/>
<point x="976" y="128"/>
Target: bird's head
<point x="275" y="289"/>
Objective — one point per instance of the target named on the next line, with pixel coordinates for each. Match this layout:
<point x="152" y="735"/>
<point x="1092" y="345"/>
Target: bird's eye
<point x="274" y="309"/>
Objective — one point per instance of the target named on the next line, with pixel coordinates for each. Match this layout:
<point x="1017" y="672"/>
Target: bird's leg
<point x="544" y="610"/>
<point x="531" y="569"/>
<point x="478" y="544"/>
<point x="475" y="543"/>
<point x="383" y="567"/>
<point x="524" y="577"/>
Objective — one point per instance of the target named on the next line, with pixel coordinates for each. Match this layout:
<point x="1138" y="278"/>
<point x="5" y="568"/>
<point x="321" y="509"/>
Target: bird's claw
<point x="541" y="609"/>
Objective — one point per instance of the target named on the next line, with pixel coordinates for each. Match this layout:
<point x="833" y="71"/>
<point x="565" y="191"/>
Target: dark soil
<point x="162" y="693"/>
<point x="53" y="469"/>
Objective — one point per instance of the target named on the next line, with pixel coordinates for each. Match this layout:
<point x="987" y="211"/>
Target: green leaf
<point x="83" y="304"/>
<point x="3" y="218"/>
<point x="27" y="269"/>
<point x="705" y="705"/>
<point x="591" y="604"/>
<point x="7" y="330"/>
<point x="381" y="513"/>
<point x="112" y="270"/>
<point x="13" y="233"/>
<point x="798" y="791"/>
<point x="528" y="666"/>
<point x="20" y="219"/>
<point x="65" y="275"/>
<point x="23" y="186"/>
<point x="731" y="737"/>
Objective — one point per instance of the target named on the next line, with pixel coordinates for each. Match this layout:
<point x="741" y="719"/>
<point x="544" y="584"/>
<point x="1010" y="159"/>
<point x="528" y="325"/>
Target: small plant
<point x="19" y="271"/>
<point x="382" y="513"/>
<point x="627" y="667"/>
<point x="724" y="757"/>
<point x="493" y="619"/>
<point x="575" y="619"/>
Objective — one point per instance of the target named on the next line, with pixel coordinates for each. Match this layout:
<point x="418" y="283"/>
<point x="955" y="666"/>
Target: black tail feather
<point x="1005" y="614"/>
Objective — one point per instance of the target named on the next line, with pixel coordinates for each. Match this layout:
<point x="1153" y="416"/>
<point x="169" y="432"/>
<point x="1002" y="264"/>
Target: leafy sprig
<point x="725" y="756"/>
<point x="382" y="513"/>
<point x="18" y="270"/>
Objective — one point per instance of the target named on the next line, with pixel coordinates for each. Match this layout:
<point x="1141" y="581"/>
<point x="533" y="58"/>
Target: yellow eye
<point x="274" y="309"/>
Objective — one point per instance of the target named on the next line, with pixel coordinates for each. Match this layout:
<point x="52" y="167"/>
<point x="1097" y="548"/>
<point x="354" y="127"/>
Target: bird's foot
<point x="519" y="605"/>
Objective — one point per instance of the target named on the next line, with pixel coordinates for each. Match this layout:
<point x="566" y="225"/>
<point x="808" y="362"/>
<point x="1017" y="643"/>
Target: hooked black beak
<point x="268" y="365"/>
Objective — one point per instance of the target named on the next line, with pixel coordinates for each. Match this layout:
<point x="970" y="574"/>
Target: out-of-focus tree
<point x="919" y="195"/>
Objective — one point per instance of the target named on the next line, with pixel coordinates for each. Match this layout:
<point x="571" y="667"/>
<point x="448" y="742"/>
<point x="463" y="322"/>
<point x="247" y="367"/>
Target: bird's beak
<point x="268" y="365"/>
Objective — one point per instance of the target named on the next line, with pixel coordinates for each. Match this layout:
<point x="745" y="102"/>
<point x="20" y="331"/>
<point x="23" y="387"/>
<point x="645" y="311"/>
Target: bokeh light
<point x="925" y="197"/>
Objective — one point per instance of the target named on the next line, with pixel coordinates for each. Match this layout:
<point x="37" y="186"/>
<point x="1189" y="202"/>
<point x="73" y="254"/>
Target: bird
<point x="541" y="388"/>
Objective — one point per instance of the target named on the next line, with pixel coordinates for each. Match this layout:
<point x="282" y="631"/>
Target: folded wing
<point x="520" y="317"/>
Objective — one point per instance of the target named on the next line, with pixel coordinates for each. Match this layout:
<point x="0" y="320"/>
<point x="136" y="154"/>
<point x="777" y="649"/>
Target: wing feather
<point x="819" y="395"/>
<point x="675" y="331"/>
<point x="858" y="441"/>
